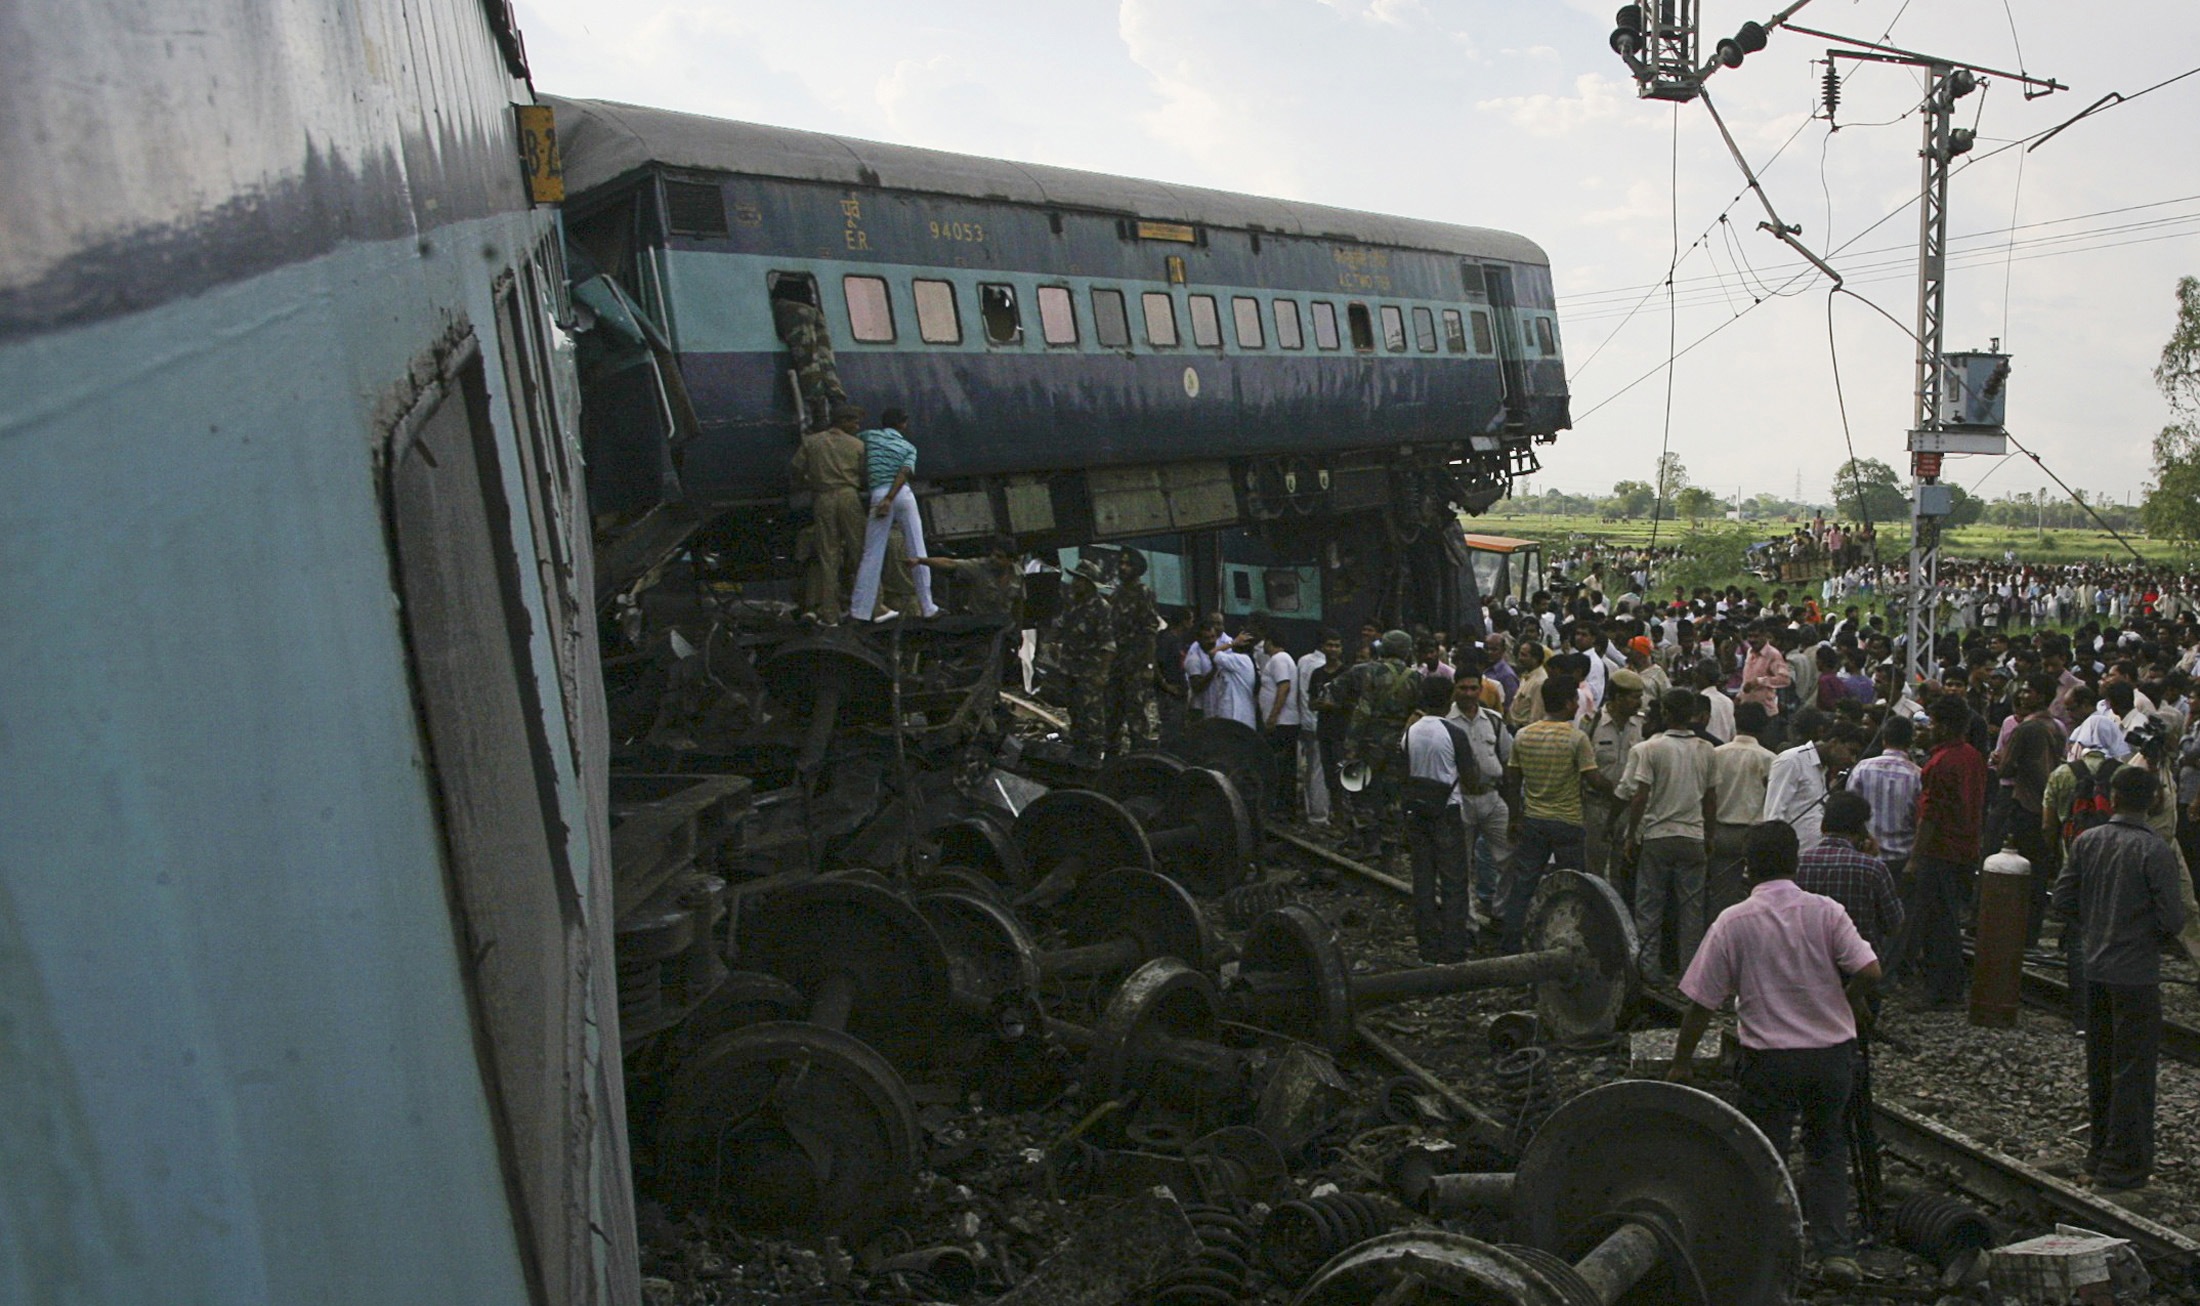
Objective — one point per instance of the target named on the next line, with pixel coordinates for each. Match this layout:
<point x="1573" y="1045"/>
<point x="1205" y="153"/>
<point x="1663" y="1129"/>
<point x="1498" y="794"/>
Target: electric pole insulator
<point x="1832" y="89"/>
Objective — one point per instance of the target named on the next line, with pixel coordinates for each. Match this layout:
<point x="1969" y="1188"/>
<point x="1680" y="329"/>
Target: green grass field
<point x="1965" y="542"/>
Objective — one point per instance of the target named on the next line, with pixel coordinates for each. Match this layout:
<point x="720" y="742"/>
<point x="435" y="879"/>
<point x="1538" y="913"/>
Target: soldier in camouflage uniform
<point x="1380" y="694"/>
<point x="1133" y="710"/>
<point x="1085" y="651"/>
<point x="810" y="344"/>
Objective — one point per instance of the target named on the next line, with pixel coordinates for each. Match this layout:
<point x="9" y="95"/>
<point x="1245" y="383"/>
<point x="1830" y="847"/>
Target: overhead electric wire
<point x="1856" y="473"/>
<point x="1970" y="161"/>
<point x="1621" y="292"/>
<point x="2037" y="247"/>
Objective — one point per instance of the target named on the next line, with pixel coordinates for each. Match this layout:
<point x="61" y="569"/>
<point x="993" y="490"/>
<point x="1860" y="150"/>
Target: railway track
<point x="1932" y="1147"/>
<point x="2044" y="992"/>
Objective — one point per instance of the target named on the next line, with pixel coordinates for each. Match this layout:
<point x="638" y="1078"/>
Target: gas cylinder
<point x="2005" y="897"/>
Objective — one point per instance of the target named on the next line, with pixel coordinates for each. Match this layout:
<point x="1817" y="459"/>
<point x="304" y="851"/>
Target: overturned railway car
<point x="306" y="979"/>
<point x="1284" y="404"/>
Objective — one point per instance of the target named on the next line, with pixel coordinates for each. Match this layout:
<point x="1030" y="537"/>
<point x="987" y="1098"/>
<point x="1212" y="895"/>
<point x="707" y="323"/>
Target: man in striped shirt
<point x="890" y="462"/>
<point x="1889" y="782"/>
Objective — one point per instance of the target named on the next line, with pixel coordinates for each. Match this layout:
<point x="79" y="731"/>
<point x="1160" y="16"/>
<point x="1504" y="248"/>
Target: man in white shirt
<point x="1719" y="722"/>
<point x="1314" y="793"/>
<point x="1235" y="680"/>
<point x="1435" y="830"/>
<point x="1797" y="783"/>
<point x="1278" y="707"/>
<point x="1739" y="769"/>
<point x="1482" y="803"/>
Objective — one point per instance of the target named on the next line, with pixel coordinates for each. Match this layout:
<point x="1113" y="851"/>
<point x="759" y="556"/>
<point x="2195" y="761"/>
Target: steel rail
<point x="1930" y="1145"/>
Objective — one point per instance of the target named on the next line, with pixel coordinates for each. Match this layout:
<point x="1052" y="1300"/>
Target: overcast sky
<point x="1516" y="115"/>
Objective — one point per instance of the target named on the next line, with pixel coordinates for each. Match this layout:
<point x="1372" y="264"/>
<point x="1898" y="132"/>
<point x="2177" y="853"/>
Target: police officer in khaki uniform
<point x="1613" y="732"/>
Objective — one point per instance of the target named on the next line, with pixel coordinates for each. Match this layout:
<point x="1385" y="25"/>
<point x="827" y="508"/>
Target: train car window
<point x="1004" y="322"/>
<point x="1246" y="310"/>
<point x="1545" y="337"/>
<point x="870" y="312"/>
<point x="1362" y="324"/>
<point x="1455" y="332"/>
<point x="1424" y="331"/>
<point x="695" y="209"/>
<point x="1484" y="342"/>
<point x="1394" y="329"/>
<point x="1206" y="322"/>
<point x="937" y="321"/>
<point x="800" y="287"/>
<point x="1058" y="317"/>
<point x="1325" y="324"/>
<point x="1160" y="319"/>
<point x="1111" y="324"/>
<point x="1289" y="335"/>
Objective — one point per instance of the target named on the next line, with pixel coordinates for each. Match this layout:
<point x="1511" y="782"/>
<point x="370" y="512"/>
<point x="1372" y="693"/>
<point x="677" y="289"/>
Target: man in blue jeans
<point x="1552" y="761"/>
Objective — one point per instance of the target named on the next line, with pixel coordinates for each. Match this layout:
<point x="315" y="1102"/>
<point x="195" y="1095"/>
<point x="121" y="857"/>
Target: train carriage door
<point x="1497" y="283"/>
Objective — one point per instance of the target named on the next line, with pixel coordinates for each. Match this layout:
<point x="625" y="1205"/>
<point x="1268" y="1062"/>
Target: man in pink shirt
<point x="1764" y="672"/>
<point x="1799" y="975"/>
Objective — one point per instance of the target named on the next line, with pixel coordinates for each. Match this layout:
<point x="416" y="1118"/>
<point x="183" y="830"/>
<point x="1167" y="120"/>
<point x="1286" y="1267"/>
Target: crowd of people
<point x="1731" y="765"/>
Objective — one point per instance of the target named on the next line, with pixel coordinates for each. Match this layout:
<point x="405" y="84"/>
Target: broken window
<point x="1455" y="332"/>
<point x="1363" y="327"/>
<point x="1004" y="324"/>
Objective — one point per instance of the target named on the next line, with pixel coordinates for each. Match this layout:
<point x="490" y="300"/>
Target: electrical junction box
<point x="1935" y="500"/>
<point x="1974" y="390"/>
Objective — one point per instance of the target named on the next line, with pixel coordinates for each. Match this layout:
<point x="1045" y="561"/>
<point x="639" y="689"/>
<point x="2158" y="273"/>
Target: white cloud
<point x="1597" y="99"/>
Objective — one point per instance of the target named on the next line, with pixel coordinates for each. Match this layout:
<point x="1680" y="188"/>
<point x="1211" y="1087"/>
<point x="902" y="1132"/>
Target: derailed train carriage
<point x="306" y="982"/>
<point x="1285" y="405"/>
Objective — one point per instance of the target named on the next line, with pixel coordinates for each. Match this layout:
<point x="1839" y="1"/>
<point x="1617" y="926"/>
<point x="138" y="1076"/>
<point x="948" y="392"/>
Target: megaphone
<point x="1354" y="776"/>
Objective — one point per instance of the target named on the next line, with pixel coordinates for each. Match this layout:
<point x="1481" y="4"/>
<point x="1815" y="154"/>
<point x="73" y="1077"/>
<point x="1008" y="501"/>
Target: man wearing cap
<point x="1084" y="649"/>
<point x="1655" y="682"/>
<point x="1380" y="693"/>
<point x="1613" y="732"/>
<point x="829" y="464"/>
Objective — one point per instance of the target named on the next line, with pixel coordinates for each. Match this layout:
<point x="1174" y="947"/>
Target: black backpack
<point x="2090" y="804"/>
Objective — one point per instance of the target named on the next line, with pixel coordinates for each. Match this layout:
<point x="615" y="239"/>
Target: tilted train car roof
<point x="603" y="141"/>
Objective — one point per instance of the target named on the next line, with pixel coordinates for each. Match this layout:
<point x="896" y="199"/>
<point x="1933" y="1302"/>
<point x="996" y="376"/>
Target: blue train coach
<point x="1263" y="394"/>
<point x="306" y="973"/>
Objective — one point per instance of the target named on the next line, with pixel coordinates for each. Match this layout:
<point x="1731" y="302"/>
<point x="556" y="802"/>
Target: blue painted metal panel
<point x="1012" y="411"/>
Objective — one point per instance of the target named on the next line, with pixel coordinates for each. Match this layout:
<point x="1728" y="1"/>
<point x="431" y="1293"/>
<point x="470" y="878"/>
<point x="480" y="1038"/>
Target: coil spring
<point x="1217" y="1277"/>
<point x="1249" y="902"/>
<point x="1525" y="1090"/>
<point x="1298" y="1238"/>
<point x="1941" y="1228"/>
